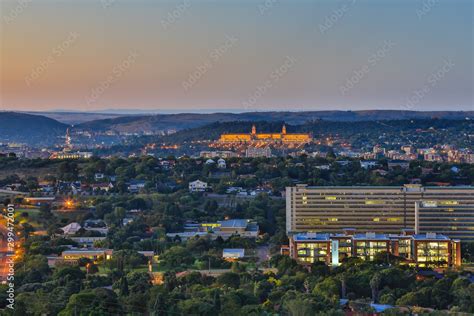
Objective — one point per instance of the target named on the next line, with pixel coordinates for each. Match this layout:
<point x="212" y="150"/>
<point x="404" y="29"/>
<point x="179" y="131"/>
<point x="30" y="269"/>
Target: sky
<point x="237" y="56"/>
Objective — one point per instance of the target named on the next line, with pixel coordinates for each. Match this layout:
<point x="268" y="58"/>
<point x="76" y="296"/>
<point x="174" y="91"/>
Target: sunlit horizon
<point x="237" y="56"/>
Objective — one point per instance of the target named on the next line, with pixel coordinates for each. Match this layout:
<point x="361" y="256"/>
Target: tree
<point x="343" y="279"/>
<point x="374" y="286"/>
<point x="229" y="279"/>
<point x="99" y="301"/>
<point x="138" y="282"/>
<point x="328" y="288"/>
<point x="124" y="286"/>
<point x="177" y="256"/>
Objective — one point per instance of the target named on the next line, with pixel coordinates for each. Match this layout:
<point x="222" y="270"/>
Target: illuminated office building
<point x="381" y="209"/>
<point x="447" y="217"/>
<point x="422" y="250"/>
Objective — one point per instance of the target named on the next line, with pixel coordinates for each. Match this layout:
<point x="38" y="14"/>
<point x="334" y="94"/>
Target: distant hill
<point x="73" y="118"/>
<point x="27" y="128"/>
<point x="161" y="122"/>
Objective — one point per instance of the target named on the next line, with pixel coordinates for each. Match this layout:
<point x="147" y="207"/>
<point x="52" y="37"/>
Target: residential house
<point x="368" y="164"/>
<point x="197" y="186"/>
<point x="221" y="163"/>
<point x="71" y="229"/>
<point x="134" y="186"/>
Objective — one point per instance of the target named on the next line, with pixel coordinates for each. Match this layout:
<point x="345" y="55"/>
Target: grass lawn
<point x="33" y="213"/>
<point x="33" y="217"/>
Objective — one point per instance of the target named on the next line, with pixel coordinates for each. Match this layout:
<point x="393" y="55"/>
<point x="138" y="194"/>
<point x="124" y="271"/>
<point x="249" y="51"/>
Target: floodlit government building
<point x="253" y="136"/>
<point x="385" y="209"/>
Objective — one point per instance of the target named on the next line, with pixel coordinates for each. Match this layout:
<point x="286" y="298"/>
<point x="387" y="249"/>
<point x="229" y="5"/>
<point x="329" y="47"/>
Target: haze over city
<point x="236" y="55"/>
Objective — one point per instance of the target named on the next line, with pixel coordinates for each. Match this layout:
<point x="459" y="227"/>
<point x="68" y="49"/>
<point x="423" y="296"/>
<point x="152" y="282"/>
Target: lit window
<point x="449" y="202"/>
<point x="374" y="202"/>
<point x="394" y="219"/>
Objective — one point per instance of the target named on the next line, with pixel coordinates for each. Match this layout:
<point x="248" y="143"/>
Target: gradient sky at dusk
<point x="236" y="55"/>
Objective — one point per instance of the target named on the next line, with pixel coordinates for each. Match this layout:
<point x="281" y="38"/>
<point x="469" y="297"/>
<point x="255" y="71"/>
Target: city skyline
<point x="238" y="56"/>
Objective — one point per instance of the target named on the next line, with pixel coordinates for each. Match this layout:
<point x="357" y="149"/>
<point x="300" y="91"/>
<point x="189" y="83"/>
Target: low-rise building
<point x="231" y="254"/>
<point x="197" y="186"/>
<point x="87" y="241"/>
<point x="134" y="186"/>
<point x="368" y="164"/>
<point x="73" y="255"/>
<point x="256" y="152"/>
<point x="71" y="155"/>
<point x="402" y="164"/>
<point x="224" y="229"/>
<point x="423" y="250"/>
<point x="218" y="153"/>
<point x="71" y="228"/>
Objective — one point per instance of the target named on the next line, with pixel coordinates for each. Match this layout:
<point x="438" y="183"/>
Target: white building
<point x="255" y="152"/>
<point x="210" y="162"/>
<point x="221" y="163"/>
<point x="197" y="186"/>
<point x="71" y="229"/>
<point x="368" y="164"/>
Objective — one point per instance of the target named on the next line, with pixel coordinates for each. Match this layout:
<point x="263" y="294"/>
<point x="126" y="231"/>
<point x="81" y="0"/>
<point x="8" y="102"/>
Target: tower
<point x="283" y="129"/>
<point x="254" y="129"/>
<point x="68" y="144"/>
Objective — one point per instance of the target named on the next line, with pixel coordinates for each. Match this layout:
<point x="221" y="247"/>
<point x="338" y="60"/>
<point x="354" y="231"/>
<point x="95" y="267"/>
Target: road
<point x="5" y="255"/>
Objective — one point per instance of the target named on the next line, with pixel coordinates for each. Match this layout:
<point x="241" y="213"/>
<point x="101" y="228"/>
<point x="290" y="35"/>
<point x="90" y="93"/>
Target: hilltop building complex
<point x="254" y="137"/>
